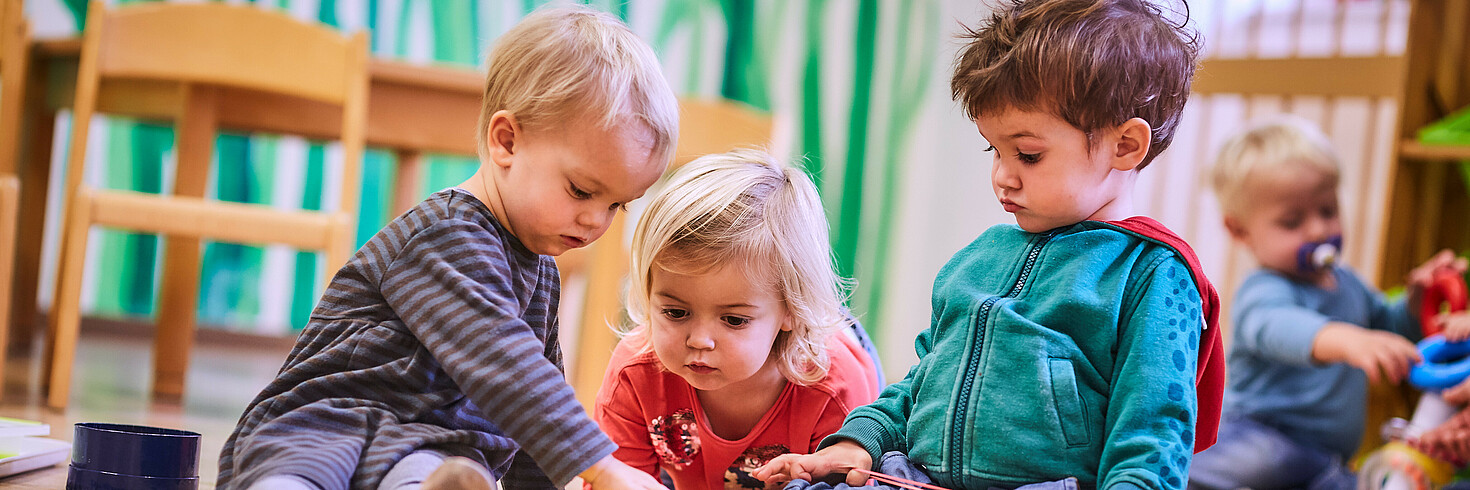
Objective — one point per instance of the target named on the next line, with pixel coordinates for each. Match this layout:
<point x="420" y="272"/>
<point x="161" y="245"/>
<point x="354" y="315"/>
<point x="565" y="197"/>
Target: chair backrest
<point x="230" y="46"/>
<point x="706" y="125"/>
<point x="713" y="125"/>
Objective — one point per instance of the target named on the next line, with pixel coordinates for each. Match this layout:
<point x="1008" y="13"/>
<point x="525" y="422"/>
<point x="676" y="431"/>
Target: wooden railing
<point x="1336" y="63"/>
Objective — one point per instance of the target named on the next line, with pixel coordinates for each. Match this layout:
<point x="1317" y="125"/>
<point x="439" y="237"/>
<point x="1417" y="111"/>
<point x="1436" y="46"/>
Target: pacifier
<point x="1315" y="256"/>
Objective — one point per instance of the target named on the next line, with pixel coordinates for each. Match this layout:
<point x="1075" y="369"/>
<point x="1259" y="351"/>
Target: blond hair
<point x="745" y="207"/>
<point x="1264" y="151"/>
<point x="559" y="64"/>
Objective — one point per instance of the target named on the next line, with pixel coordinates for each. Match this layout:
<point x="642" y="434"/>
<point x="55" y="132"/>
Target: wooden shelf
<point x="1332" y="77"/>
<point x="1414" y="149"/>
<point x="1427" y="199"/>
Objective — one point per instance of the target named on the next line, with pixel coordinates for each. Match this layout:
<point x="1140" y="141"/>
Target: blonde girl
<point x="737" y="351"/>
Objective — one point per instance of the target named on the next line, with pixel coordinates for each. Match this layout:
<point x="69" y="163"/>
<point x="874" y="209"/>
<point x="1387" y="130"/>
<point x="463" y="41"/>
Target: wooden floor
<point x="112" y="382"/>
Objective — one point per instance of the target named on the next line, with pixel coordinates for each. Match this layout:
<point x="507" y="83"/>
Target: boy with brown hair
<point x="1077" y="347"/>
<point x="432" y="359"/>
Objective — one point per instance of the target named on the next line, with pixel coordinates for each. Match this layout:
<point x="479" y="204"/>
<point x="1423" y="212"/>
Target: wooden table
<point x="412" y="110"/>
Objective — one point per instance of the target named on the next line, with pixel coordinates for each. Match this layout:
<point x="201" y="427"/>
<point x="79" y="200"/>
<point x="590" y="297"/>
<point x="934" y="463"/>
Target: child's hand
<point x="1458" y="395"/>
<point x="1456" y="325"/>
<point x="842" y="457"/>
<point x="1451" y="440"/>
<point x="1422" y="276"/>
<point x="609" y="473"/>
<point x="1381" y="355"/>
<point x="1448" y="442"/>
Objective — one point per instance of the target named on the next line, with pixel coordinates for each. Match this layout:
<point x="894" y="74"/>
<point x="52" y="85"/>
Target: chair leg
<point x="339" y="249"/>
<point x="35" y="180"/>
<point x="9" y="200"/>
<point x="12" y="111"/>
<point x="178" y="300"/>
<point x="600" y="308"/>
<point x="410" y="179"/>
<point x="61" y="343"/>
<point x="178" y="304"/>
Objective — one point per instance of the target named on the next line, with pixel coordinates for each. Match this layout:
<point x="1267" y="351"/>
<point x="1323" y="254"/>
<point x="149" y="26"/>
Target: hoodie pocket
<point x="1068" y="402"/>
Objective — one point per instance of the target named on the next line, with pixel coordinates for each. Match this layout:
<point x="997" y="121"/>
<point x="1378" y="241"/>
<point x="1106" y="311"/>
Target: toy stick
<point x="899" y="482"/>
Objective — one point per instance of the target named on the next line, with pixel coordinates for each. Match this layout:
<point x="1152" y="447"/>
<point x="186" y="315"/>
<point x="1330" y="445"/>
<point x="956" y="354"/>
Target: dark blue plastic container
<point x="133" y="457"/>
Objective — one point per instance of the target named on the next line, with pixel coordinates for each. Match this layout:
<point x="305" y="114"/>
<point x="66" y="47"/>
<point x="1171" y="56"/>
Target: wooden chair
<point x="705" y="126"/>
<point x="15" y="48"/>
<point x="182" y="62"/>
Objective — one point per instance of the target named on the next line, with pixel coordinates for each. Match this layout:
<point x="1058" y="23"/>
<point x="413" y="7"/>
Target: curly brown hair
<point x="1093" y="63"/>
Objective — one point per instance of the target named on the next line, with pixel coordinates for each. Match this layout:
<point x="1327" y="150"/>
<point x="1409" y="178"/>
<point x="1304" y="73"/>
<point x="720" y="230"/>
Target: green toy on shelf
<point x="1453" y="129"/>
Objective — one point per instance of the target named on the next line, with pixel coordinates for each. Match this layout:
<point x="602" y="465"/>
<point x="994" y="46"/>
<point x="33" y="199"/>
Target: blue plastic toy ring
<point x="1445" y="364"/>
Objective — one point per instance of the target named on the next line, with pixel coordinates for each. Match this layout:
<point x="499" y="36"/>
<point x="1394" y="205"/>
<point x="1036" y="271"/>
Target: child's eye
<point x="990" y="148"/>
<point x="618" y="206"/>
<point x="578" y="193"/>
<point x="674" y="313"/>
<point x="1028" y="157"/>
<point x="735" y="321"/>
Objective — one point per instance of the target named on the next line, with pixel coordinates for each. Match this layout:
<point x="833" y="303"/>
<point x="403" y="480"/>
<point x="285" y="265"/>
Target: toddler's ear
<point x="1232" y="225"/>
<point x="1130" y="144"/>
<point x="500" y="137"/>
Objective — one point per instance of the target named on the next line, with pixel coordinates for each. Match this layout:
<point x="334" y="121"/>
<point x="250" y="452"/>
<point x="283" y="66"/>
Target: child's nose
<point x="596" y="218"/>
<point x="699" y="339"/>
<point x="1004" y="177"/>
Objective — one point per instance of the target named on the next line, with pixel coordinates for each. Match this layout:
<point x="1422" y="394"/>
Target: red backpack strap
<point x="1210" y="373"/>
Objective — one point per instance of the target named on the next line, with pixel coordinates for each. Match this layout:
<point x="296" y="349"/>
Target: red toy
<point x="1446" y="289"/>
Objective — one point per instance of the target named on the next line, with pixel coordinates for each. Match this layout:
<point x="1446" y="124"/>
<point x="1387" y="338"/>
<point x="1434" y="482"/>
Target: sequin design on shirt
<point x="737" y="477"/>
<point x="675" y="437"/>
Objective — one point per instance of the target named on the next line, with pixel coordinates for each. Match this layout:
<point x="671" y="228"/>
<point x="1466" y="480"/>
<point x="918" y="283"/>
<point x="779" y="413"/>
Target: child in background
<point x="1067" y="350"/>
<point x="432" y="358"/>
<point x="737" y="353"/>
<point x="1308" y="334"/>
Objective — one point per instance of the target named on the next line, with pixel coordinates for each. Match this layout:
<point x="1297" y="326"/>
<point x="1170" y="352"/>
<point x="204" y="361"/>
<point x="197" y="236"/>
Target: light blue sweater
<point x="1272" y="377"/>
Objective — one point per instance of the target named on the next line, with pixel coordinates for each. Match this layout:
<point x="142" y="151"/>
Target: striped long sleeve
<point x="439" y="334"/>
<point x="459" y="298"/>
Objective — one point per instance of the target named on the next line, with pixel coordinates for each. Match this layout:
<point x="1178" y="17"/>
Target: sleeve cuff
<point x="1136" y="479"/>
<point x="592" y="457"/>
<point x="1407" y="320"/>
<point x="869" y="433"/>
<point x="1126" y="485"/>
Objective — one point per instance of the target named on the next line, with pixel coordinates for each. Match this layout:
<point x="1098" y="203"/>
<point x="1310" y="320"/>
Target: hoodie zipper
<point x="972" y="364"/>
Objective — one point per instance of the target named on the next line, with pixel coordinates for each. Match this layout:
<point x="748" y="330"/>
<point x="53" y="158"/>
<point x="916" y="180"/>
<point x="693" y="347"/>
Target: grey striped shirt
<point x="439" y="333"/>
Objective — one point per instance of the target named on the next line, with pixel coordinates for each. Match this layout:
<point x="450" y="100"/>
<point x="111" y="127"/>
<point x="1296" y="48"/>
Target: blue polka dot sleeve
<point x="1151" y="408"/>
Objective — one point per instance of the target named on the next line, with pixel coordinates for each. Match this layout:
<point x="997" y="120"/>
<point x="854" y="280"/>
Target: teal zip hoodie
<point x="1070" y="353"/>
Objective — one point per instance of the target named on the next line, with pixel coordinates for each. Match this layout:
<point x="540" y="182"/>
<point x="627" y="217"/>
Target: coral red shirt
<point x="656" y="420"/>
